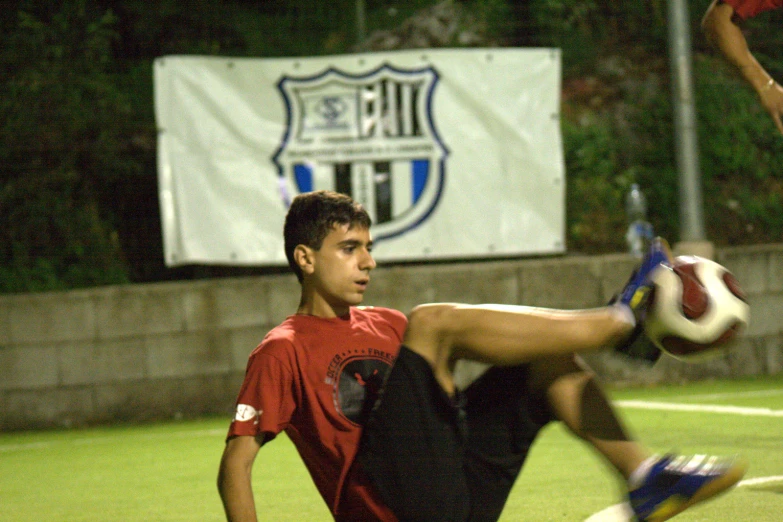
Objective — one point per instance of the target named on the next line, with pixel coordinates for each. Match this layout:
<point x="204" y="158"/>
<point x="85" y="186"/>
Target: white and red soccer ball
<point x="697" y="308"/>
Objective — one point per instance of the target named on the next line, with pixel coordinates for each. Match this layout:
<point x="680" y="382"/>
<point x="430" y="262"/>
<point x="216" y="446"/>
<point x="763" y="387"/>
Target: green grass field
<point x="166" y="472"/>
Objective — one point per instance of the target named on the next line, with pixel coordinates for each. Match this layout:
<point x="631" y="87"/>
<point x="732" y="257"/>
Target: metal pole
<point x="685" y="142"/>
<point x="359" y="21"/>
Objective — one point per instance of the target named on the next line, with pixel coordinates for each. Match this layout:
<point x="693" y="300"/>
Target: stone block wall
<point x="142" y="352"/>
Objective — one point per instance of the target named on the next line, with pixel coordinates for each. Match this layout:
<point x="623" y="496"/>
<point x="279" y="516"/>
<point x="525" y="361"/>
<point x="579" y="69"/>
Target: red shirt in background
<point x="750" y="8"/>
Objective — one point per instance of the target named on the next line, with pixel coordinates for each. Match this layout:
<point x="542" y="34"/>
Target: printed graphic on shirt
<point x="356" y="379"/>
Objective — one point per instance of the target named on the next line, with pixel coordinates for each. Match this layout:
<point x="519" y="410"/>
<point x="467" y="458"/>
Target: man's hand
<point x="772" y="99"/>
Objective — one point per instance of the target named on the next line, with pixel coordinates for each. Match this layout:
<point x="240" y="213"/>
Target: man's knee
<point x="429" y="321"/>
<point x="428" y="334"/>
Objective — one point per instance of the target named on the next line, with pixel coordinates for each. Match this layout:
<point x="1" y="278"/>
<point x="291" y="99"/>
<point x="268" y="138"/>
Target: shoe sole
<point x="706" y="492"/>
<point x="667" y="249"/>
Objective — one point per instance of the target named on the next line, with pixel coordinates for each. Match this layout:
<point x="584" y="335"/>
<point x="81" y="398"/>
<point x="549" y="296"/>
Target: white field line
<point x="706" y="408"/>
<point x="760" y="480"/>
<point x="110" y="439"/>
<point x="622" y="512"/>
<point x="736" y="395"/>
<point x="24" y="446"/>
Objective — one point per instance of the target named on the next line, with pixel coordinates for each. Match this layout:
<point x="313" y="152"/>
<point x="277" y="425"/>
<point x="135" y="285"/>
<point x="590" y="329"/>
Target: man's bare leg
<point x="508" y="335"/>
<point x="576" y="398"/>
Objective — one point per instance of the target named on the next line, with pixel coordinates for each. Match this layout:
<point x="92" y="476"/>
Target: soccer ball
<point x="697" y="308"/>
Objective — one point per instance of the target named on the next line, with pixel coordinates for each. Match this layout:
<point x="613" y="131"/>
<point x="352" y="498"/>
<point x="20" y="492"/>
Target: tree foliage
<point x="63" y="135"/>
<point x="78" y="185"/>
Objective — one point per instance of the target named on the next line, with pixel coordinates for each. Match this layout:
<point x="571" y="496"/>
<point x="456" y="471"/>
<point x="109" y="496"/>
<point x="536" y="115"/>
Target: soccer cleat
<point x="674" y="484"/>
<point x="639" y="347"/>
<point x="636" y="294"/>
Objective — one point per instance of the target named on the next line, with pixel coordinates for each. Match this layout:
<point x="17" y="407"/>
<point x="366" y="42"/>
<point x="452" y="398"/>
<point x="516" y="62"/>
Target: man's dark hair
<point x="313" y="215"/>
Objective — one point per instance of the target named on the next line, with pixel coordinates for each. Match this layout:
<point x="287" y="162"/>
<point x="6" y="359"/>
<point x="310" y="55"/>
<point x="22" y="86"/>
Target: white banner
<point x="455" y="153"/>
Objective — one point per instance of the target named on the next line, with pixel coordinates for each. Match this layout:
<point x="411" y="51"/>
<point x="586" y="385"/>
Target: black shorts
<point x="434" y="458"/>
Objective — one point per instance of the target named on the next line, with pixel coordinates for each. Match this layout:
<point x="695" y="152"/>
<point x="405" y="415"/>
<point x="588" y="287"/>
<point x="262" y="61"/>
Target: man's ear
<point x="305" y="258"/>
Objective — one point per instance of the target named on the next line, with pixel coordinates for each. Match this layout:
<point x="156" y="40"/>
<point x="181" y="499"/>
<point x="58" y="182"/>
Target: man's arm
<point x="234" y="482"/>
<point x="720" y="29"/>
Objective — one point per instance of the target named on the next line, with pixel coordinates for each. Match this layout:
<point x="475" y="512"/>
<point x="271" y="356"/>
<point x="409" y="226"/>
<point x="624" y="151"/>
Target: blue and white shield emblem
<point x="370" y="136"/>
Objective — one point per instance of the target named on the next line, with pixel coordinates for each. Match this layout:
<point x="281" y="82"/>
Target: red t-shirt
<point x="750" y="8"/>
<point x="310" y="376"/>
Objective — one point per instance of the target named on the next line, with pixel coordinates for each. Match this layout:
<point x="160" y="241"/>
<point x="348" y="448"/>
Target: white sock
<point x="625" y="314"/>
<point x="640" y="473"/>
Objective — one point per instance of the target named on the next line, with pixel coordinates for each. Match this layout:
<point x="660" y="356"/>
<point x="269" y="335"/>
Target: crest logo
<point x="370" y="136"/>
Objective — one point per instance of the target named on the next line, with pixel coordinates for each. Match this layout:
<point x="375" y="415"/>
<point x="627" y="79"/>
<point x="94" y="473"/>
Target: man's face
<point x="341" y="268"/>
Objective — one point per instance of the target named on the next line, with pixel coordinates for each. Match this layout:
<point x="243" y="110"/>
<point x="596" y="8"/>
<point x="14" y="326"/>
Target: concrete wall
<point x="179" y="349"/>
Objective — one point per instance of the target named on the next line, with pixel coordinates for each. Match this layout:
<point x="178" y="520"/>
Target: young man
<point x="369" y="398"/>
<point x="720" y="24"/>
